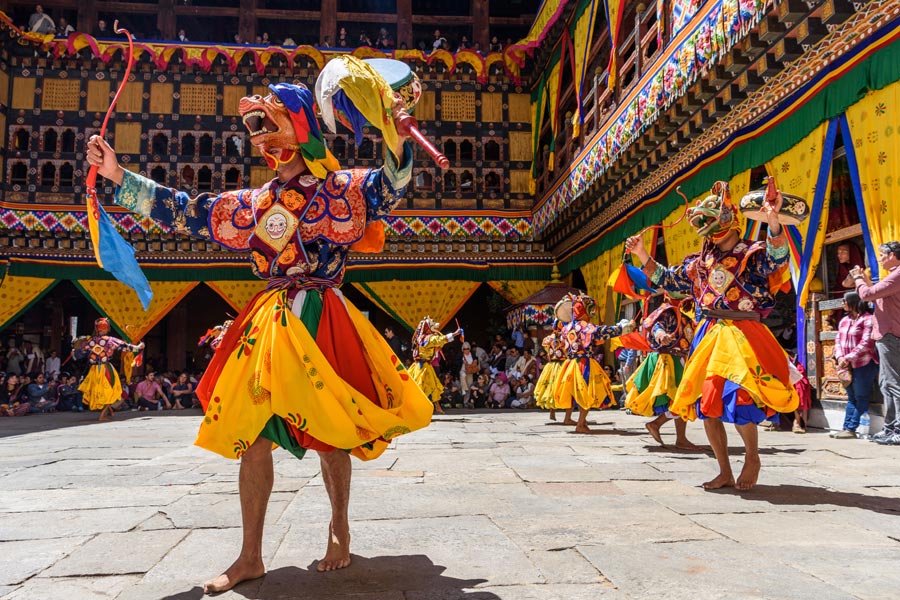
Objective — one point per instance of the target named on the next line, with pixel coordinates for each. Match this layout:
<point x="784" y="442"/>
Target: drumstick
<point x="408" y="126"/>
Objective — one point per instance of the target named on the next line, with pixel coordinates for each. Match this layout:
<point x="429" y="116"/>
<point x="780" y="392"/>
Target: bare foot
<point x="687" y="445"/>
<point x="723" y="480"/>
<point x="653" y="428"/>
<point x="241" y="570"/>
<point x="337" y="556"/>
<point x="552" y="415"/>
<point x="749" y="474"/>
<point x="569" y="422"/>
<point x="438" y="409"/>
<point x="581" y="428"/>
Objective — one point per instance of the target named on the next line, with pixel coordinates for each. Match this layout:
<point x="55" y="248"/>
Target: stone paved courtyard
<point x="479" y="506"/>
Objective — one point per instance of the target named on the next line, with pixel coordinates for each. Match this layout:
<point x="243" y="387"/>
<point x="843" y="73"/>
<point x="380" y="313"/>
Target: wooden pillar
<point x="247" y="21"/>
<point x="481" y="27"/>
<point x="176" y="338"/>
<point x="404" y="23"/>
<point x="328" y="22"/>
<point x="166" y="21"/>
<point x="87" y="16"/>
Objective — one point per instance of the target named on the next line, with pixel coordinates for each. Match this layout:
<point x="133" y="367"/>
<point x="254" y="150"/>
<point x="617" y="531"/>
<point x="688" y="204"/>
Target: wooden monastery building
<point x="568" y="125"/>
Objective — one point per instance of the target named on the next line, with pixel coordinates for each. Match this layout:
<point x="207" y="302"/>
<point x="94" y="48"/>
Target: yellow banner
<point x="876" y="140"/>
<point x="409" y="301"/>
<point x="18" y="293"/>
<point x="553" y="96"/>
<point x="596" y="275"/>
<point x="582" y="39"/>
<point x="119" y="302"/>
<point x="680" y="239"/>
<point x="237" y="293"/>
<point x="516" y="291"/>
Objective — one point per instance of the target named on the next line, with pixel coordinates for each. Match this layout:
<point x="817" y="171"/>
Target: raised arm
<point x="671" y="279"/>
<point x="225" y="218"/>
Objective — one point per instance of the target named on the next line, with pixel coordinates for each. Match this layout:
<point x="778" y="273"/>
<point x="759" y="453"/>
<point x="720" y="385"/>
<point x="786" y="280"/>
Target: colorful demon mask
<point x="714" y="216"/>
<point x="579" y="307"/>
<point x="101" y="326"/>
<point x="284" y="123"/>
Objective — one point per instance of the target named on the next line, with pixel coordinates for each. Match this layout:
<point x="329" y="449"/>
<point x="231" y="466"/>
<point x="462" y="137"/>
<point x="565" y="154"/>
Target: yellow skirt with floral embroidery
<point x="276" y="367"/>
<point x="546" y="385"/>
<point x="583" y="381"/>
<point x="101" y="387"/>
<point x="422" y="372"/>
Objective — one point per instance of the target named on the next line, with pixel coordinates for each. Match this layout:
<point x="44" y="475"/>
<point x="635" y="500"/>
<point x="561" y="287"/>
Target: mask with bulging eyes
<point x="713" y="215"/>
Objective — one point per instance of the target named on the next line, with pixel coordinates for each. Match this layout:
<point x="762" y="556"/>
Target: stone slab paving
<point x="479" y="506"/>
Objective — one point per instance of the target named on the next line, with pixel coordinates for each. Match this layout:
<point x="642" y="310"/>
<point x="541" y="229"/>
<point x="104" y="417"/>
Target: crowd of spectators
<point x="42" y="23"/>
<point x="35" y="381"/>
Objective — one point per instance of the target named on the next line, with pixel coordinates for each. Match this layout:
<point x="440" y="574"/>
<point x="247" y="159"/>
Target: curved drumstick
<point x="408" y="126"/>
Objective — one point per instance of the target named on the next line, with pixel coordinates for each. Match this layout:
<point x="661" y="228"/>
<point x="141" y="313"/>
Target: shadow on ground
<point x="807" y="495"/>
<point x="380" y="576"/>
<point x="36" y="423"/>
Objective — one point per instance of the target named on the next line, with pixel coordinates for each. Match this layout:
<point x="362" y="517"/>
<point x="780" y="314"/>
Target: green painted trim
<point x="13" y="318"/>
<point x="873" y="73"/>
<point x="76" y="271"/>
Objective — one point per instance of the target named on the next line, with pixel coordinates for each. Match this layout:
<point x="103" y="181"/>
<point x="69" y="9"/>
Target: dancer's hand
<point x="102" y="155"/>
<point x="635" y="246"/>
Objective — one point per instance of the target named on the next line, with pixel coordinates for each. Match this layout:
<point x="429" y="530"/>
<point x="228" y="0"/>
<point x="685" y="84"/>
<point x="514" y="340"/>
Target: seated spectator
<point x="40" y="22"/>
<point x="498" y="392"/>
<point x="343" y="41"/>
<point x="13" y="400"/>
<point x="529" y="366"/>
<point x="524" y="393"/>
<point x="183" y="393"/>
<point x="478" y="392"/>
<point x="497" y="357"/>
<point x="495" y="46"/>
<point x="451" y="397"/>
<point x="182" y="36"/>
<point x="39" y="395"/>
<point x="149" y="394"/>
<point x="290" y="43"/>
<point x="70" y="397"/>
<point x="515" y="364"/>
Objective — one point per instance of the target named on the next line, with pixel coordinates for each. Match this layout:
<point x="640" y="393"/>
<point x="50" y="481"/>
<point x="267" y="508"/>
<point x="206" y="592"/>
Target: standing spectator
<point x="15" y="360"/>
<point x="886" y="333"/>
<point x="51" y="367"/>
<point x="463" y="43"/>
<point x="495" y="46"/>
<point x="394" y="342"/>
<point x="183" y="393"/>
<point x="182" y="36"/>
<point x="497" y="359"/>
<point x="484" y="360"/>
<point x="265" y="39"/>
<point x="364" y="40"/>
<point x="100" y="30"/>
<point x="518" y="337"/>
<point x="439" y="41"/>
<point x="150" y="395"/>
<point x="384" y="41"/>
<point x="34" y="359"/>
<point x="40" y="22"/>
<point x="39" y="395"/>
<point x="469" y="368"/>
<point x="343" y="41"/>
<point x="804" y="390"/>
<point x="64" y="28"/>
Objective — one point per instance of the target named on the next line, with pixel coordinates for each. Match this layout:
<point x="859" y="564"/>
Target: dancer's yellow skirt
<point x="546" y="385"/>
<point x="583" y="381"/>
<point x="327" y="380"/>
<point x="101" y="387"/>
<point x="422" y="372"/>
<point x="652" y="386"/>
<point x="737" y="372"/>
